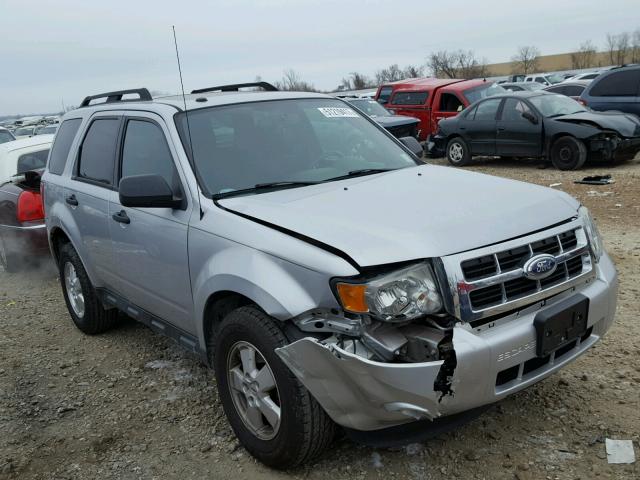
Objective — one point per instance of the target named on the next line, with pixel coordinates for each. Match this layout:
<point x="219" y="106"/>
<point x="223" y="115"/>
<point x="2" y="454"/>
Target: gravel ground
<point x="129" y="404"/>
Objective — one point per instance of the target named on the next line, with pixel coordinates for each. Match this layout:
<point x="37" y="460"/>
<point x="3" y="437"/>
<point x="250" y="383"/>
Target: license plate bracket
<point x="561" y="324"/>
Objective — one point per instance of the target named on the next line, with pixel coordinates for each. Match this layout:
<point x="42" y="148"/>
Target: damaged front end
<point x="610" y="146"/>
<point x="390" y="352"/>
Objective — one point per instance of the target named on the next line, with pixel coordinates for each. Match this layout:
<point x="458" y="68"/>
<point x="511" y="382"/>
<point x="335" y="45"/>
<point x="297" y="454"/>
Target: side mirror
<point x="413" y="145"/>
<point x="531" y="117"/>
<point x="147" y="191"/>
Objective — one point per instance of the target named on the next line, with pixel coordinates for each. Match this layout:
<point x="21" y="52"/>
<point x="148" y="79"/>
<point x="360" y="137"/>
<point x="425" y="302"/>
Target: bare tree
<point x="622" y="47"/>
<point x="413" y="71"/>
<point x="292" y="81"/>
<point x="611" y="45"/>
<point x="634" y="50"/>
<point x="458" y="64"/>
<point x="584" y="57"/>
<point x="443" y="64"/>
<point x="526" y="59"/>
<point x="390" y="74"/>
<point x="360" y="81"/>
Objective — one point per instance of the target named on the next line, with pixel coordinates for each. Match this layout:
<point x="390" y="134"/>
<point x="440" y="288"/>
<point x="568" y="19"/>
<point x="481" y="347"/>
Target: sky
<point x="57" y="52"/>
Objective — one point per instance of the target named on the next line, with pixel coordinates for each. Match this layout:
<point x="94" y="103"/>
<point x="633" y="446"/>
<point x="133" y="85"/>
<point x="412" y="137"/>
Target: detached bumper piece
<point x="436" y="145"/>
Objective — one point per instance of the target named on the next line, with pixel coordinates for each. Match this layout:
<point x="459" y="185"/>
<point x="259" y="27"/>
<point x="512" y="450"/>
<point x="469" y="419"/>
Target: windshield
<point x="21" y="132"/>
<point x="5" y="136"/>
<point x="555" y="78"/>
<point x="46" y="130"/>
<point x="483" y="91"/>
<point x="370" y="107"/>
<point x="237" y="147"/>
<point x="556" y="105"/>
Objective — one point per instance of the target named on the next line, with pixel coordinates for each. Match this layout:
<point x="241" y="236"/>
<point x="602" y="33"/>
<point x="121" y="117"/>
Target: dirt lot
<point x="129" y="404"/>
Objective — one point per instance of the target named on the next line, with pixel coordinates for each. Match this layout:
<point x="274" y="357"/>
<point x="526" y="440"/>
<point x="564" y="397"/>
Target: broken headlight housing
<point x="398" y="296"/>
<point x="593" y="235"/>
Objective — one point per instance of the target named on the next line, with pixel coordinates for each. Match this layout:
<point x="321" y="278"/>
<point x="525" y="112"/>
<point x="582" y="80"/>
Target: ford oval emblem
<point x="540" y="266"/>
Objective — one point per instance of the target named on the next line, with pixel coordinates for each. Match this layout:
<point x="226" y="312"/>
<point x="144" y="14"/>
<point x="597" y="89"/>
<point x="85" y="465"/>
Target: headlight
<point x="398" y="296"/>
<point x="593" y="235"/>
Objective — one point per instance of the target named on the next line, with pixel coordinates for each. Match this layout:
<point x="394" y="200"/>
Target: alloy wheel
<point x="456" y="152"/>
<point x="74" y="289"/>
<point x="253" y="390"/>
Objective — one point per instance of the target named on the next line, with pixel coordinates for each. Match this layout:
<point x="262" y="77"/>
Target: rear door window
<point x="62" y="145"/>
<point x="385" y="94"/>
<point x="97" y="153"/>
<point x="32" y="160"/>
<point x="487" y="110"/>
<point x="618" y="84"/>
<point x="409" y="98"/>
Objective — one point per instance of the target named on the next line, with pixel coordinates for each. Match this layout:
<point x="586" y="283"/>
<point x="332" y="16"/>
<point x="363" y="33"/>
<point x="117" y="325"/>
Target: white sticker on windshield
<point x="337" y="112"/>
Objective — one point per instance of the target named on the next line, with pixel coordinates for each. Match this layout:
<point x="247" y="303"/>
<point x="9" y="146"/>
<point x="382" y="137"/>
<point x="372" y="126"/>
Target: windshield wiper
<point x="263" y="186"/>
<point x="361" y="172"/>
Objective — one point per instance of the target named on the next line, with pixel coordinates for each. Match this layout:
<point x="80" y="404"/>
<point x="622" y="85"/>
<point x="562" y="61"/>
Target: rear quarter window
<point x="410" y="98"/>
<point x="62" y="144"/>
<point x="617" y="84"/>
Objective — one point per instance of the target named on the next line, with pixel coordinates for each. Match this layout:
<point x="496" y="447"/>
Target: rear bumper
<point x="367" y="395"/>
<point x="25" y="239"/>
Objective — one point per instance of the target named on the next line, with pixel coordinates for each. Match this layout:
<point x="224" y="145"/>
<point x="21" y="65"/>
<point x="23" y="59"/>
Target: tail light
<point x="29" y="207"/>
<point x="582" y="102"/>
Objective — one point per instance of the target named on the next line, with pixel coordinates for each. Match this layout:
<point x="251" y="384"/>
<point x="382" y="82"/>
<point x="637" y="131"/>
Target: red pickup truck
<point x="432" y="99"/>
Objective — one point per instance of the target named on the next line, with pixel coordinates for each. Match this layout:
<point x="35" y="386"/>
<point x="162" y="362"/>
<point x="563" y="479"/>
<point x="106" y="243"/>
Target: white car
<point x="6" y="135"/>
<point x="24" y="132"/>
<point x="546" y="79"/>
<point x="23" y="155"/>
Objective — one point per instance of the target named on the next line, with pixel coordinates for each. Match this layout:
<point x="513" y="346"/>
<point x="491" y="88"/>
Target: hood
<point x="395" y="120"/>
<point x="625" y="124"/>
<point x="412" y="213"/>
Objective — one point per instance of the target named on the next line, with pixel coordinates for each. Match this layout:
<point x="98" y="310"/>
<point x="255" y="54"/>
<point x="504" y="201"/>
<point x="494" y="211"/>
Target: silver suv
<point x="327" y="274"/>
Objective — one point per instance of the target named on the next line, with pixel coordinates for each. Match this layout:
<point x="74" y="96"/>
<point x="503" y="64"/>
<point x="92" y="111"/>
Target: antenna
<point x="186" y="112"/>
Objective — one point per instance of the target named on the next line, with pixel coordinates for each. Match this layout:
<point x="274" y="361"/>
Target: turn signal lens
<point x="352" y="297"/>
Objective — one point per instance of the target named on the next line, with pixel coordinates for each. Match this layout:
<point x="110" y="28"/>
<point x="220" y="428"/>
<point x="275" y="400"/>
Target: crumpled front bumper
<point x="436" y="145"/>
<point x="367" y="395"/>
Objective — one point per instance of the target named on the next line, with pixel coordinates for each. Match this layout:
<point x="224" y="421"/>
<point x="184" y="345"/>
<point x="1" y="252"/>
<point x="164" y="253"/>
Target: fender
<point x="282" y="289"/>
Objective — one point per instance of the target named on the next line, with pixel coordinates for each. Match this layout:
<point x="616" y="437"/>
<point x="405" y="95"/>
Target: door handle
<point x="501" y="129"/>
<point x="462" y="128"/>
<point x="72" y="200"/>
<point x="121" y="217"/>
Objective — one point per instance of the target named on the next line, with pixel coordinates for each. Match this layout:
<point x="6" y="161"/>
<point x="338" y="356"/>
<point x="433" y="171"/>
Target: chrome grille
<point x="491" y="280"/>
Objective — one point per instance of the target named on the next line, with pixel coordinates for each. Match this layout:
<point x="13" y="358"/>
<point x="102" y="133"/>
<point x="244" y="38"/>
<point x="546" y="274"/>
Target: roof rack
<point x="235" y="87"/>
<point x="113" y="97"/>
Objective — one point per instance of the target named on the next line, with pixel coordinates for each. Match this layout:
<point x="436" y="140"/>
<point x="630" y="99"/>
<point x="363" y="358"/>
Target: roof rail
<point x="235" y="87"/>
<point x="112" y="97"/>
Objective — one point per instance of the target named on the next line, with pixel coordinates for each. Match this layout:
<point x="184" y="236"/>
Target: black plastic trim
<point x="157" y="324"/>
<point x="113" y="97"/>
<point x="237" y="86"/>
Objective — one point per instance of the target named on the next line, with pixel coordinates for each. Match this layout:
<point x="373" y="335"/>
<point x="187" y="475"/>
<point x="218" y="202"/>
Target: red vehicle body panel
<point x="443" y="97"/>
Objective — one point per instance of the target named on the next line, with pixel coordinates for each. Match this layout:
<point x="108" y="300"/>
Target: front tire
<point x="82" y="301"/>
<point x="458" y="152"/>
<point x="275" y="418"/>
<point x="568" y="153"/>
